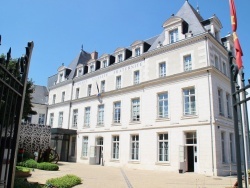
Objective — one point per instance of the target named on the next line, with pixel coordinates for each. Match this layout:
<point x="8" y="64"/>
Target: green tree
<point x="27" y="108"/>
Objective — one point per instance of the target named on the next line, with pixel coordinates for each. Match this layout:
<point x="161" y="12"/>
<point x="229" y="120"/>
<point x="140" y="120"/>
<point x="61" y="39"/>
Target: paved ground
<point x="114" y="177"/>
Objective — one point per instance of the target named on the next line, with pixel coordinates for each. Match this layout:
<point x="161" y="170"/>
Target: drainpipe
<point x="210" y="106"/>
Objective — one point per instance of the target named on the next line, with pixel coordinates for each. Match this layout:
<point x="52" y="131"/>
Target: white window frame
<point x="216" y="62"/>
<point x="220" y="102"/>
<point x="187" y="62"/>
<point x="115" y="147"/>
<point x="163" y="147"/>
<point x="223" y="147"/>
<point x="134" y="147"/>
<point x="77" y="93"/>
<point x="92" y="68"/>
<point x="118" y="82"/>
<point x="54" y="99"/>
<point x="137" y="51"/>
<point x="87" y="117"/>
<point x="60" y="119"/>
<point x="85" y="141"/>
<point x="173" y="36"/>
<point x="51" y="119"/>
<point x="228" y="102"/>
<point x="102" y="86"/>
<point x="120" y="57"/>
<point x="89" y="90"/>
<point x="104" y="63"/>
<point x="75" y="118"/>
<point x="136" y="77"/>
<point x="162" y="69"/>
<point x="117" y="112"/>
<point x="63" y="96"/>
<point x="41" y="119"/>
<point x="135" y="109"/>
<point x="162" y="105"/>
<point x="189" y="99"/>
<point x="100" y="115"/>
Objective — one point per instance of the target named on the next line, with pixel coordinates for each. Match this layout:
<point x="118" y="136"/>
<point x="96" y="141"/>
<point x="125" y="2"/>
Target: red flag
<point x="233" y="15"/>
<point x="238" y="50"/>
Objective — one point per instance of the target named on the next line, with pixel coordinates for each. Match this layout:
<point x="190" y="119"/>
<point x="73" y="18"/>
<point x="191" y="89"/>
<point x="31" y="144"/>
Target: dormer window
<point x="120" y="58"/>
<point x="92" y="68"/>
<point x="173" y="36"/>
<point x="137" y="51"/>
<point x="104" y="63"/>
<point x="79" y="72"/>
<point x="61" y="77"/>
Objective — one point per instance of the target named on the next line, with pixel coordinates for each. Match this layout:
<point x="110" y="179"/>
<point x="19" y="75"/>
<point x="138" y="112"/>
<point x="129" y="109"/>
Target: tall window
<point x="115" y="147"/>
<point x="136" y="77"/>
<point x="41" y="119"/>
<point x="136" y="110"/>
<point x="79" y="72"/>
<point x="120" y="58"/>
<point x="220" y="101"/>
<point x="60" y="119"/>
<point x="117" y="112"/>
<point x="162" y="69"/>
<point x="135" y="147"/>
<point x="137" y="51"/>
<point x="187" y="63"/>
<point x="75" y="118"/>
<point x="163" y="105"/>
<point x="224" y="70"/>
<point x="77" y="92"/>
<point x="163" y="147"/>
<point x="231" y="147"/>
<point x="85" y="146"/>
<point x="118" y="82"/>
<point x="63" y="96"/>
<point x="228" y="100"/>
<point x="73" y="146"/>
<point x="51" y="119"/>
<point x="89" y="90"/>
<point x="189" y="101"/>
<point x="100" y="117"/>
<point x="87" y="117"/>
<point x="54" y="99"/>
<point x="103" y="86"/>
<point x="216" y="61"/>
<point x="104" y="63"/>
<point x="223" y="151"/>
<point x="173" y="36"/>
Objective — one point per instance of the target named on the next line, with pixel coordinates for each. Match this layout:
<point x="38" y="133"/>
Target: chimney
<point x="94" y="55"/>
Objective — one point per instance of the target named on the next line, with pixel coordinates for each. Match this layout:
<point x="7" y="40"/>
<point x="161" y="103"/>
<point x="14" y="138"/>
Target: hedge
<point x="31" y="163"/>
<point x="66" y="181"/>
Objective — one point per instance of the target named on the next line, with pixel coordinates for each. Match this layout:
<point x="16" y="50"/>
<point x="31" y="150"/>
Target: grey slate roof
<point x="191" y="16"/>
<point x="40" y="95"/>
<point x="186" y="12"/>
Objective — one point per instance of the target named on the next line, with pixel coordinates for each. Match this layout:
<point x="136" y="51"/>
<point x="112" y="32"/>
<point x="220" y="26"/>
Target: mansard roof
<point x="39" y="95"/>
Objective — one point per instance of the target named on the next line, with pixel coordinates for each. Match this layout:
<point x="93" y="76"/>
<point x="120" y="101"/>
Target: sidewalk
<point x="114" y="177"/>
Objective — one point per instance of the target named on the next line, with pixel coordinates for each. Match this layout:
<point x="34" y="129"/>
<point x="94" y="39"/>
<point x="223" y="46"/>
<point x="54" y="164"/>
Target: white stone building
<point x="162" y="103"/>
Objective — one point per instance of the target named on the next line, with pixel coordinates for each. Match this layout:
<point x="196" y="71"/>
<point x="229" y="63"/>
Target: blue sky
<point x="60" y="27"/>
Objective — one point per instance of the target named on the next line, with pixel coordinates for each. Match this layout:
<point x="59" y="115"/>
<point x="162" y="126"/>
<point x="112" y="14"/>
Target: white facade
<point x="171" y="111"/>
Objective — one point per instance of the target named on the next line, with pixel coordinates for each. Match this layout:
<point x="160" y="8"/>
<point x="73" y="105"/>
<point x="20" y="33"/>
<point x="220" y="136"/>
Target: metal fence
<point x="13" y="79"/>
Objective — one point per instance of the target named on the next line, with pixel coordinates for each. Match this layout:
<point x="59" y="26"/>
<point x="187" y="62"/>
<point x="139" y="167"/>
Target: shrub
<point x="30" y="163"/>
<point x="47" y="166"/>
<point x="66" y="181"/>
<point x="23" y="169"/>
<point x="42" y="166"/>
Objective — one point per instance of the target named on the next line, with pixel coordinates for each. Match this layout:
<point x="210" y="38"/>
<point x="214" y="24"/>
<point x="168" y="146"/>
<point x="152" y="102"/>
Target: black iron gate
<point x="240" y="115"/>
<point x="13" y="79"/>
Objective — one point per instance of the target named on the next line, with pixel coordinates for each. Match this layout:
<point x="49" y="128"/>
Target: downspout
<point x="210" y="107"/>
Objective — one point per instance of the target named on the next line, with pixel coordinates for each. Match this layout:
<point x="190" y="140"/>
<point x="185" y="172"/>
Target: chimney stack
<point x="94" y="55"/>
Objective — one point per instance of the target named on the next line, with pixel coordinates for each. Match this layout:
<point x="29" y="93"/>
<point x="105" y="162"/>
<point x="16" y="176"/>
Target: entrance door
<point x="190" y="158"/>
<point x="99" y="150"/>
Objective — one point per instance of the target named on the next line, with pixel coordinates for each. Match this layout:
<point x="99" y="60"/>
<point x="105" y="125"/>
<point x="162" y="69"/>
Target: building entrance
<point x="96" y="152"/>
